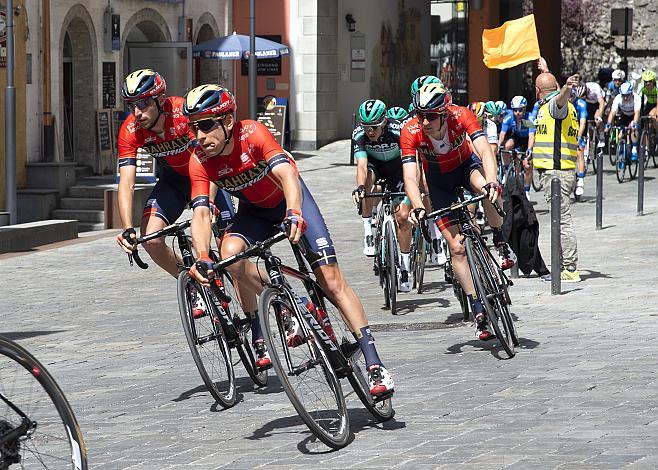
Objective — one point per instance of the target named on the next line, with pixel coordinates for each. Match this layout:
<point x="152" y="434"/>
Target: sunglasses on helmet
<point x="140" y="104"/>
<point x="205" y="125"/>
<point x="428" y="116"/>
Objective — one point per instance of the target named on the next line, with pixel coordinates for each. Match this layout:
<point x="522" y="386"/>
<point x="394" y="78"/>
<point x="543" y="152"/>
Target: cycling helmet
<point x="433" y="98"/>
<point x="580" y="91"/>
<point x="618" y="74"/>
<point x="144" y="83"/>
<point x="410" y="109"/>
<point x="503" y="106"/>
<point x="397" y="112"/>
<point x="477" y="107"/>
<point x="423" y="80"/>
<point x="493" y="108"/>
<point x="648" y="76"/>
<point x="518" y="102"/>
<point x="626" y="88"/>
<point x="208" y="100"/>
<point x="372" y="112"/>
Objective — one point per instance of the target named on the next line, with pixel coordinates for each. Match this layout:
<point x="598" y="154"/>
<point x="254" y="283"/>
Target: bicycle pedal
<point x="383" y="397"/>
<point x="264" y="368"/>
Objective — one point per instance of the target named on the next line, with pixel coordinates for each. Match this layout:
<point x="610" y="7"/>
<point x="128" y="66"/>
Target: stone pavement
<point x="582" y="391"/>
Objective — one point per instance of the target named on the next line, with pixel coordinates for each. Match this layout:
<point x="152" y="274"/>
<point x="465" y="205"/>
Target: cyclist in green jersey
<point x="649" y="96"/>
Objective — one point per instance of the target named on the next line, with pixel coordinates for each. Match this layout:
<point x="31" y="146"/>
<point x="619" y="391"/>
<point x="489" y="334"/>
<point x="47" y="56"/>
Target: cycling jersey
<point x="594" y="92"/>
<point x="627" y="107"/>
<point x="171" y="148"/>
<point x="512" y="128"/>
<point x="648" y="98"/>
<point x="446" y="155"/>
<point x="491" y="131"/>
<point x="611" y="90"/>
<point x="384" y="149"/>
<point x="532" y="117"/>
<point x="581" y="108"/>
<point x="247" y="174"/>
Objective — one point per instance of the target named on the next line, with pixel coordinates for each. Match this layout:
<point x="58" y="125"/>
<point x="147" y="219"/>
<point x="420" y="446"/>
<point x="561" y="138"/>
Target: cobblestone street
<point x="582" y="391"/>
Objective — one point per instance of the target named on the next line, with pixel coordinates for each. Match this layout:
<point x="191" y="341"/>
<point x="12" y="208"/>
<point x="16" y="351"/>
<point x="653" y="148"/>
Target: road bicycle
<point x="37" y="426"/>
<point x="613" y="140"/>
<point x="591" y="146"/>
<point x="647" y="146"/>
<point x="420" y="250"/>
<point x="222" y="328"/>
<point x="626" y="163"/>
<point x="310" y="345"/>
<point x="387" y="259"/>
<point x="491" y="283"/>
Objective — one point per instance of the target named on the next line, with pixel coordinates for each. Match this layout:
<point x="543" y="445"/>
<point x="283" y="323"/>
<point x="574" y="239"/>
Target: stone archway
<point x="78" y="88"/>
<point x="208" y="70"/>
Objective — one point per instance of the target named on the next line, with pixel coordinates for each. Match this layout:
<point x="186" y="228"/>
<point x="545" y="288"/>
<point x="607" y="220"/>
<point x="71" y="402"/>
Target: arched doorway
<point x="78" y="95"/>
<point x="208" y="70"/>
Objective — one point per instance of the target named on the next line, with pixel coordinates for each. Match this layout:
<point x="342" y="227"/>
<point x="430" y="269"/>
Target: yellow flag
<point x="513" y="43"/>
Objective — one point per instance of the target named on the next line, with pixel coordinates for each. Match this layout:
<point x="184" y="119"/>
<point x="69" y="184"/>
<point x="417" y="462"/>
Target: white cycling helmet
<point x="618" y="74"/>
<point x="518" y="102"/>
<point x="626" y="88"/>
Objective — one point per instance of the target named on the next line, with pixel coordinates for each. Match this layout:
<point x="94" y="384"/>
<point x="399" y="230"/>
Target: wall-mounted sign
<point x="358" y="54"/>
<point x="3" y="39"/>
<point x="272" y="115"/>
<point x="109" y="85"/>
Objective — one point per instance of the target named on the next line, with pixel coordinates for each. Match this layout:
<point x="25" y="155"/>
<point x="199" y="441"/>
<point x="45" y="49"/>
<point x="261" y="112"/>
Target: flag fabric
<point x="511" y="44"/>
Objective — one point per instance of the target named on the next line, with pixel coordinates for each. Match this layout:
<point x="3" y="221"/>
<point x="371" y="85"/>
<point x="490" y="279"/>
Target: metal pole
<point x="626" y="40"/>
<point x="640" y="181"/>
<point x="252" y="59"/>
<point x="10" y="121"/>
<point x="556" y="249"/>
<point x="599" y="189"/>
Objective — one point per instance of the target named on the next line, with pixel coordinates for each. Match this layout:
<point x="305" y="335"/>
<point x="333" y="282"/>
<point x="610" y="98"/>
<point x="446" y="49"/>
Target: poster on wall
<point x="109" y="85"/>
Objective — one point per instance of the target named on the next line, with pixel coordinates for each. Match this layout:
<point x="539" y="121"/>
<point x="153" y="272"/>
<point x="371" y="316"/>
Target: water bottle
<point x="322" y="317"/>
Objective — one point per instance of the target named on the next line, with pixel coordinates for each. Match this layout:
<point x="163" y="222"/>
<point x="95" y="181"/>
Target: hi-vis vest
<point x="556" y="140"/>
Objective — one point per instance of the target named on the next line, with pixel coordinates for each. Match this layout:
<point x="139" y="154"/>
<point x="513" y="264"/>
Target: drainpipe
<point x="48" y="120"/>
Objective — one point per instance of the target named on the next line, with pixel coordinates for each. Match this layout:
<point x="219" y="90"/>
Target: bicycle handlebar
<point x="165" y="232"/>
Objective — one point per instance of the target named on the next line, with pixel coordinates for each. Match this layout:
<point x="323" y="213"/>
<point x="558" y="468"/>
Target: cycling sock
<point x="498" y="238"/>
<point x="256" y="333"/>
<point x="367" y="226"/>
<point x="580" y="175"/>
<point x="404" y="261"/>
<point x="367" y="344"/>
<point x="526" y="188"/>
<point x="476" y="305"/>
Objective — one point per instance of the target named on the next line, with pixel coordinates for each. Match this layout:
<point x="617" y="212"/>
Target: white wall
<point x="33" y="91"/>
<point x="370" y="15"/>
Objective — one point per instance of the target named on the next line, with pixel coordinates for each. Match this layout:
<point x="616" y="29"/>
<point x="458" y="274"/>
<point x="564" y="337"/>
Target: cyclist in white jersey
<point x="628" y="104"/>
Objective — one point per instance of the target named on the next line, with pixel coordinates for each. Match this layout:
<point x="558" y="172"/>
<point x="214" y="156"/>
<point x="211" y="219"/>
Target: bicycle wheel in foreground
<point x="340" y="332"/>
<point x="207" y="342"/>
<point x="245" y="351"/>
<point x="621" y="162"/>
<point x="419" y="259"/>
<point x="47" y="435"/>
<point x="490" y="293"/>
<point x="536" y="181"/>
<point x="304" y="369"/>
<point x="392" y="266"/>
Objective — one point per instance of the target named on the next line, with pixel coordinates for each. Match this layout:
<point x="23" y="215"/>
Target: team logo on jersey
<point x="244" y="158"/>
<point x="245" y="179"/>
<point x="132" y="127"/>
<point x="150" y="138"/>
<point x="413" y="128"/>
<point x="247" y="130"/>
<point x="223" y="170"/>
<point x="168" y="147"/>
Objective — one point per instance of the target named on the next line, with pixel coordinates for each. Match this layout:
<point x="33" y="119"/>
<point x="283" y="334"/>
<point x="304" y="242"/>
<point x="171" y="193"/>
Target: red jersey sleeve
<point x="469" y="123"/>
<point x="127" y="143"/>
<point x="409" y="140"/>
<point x="199" y="181"/>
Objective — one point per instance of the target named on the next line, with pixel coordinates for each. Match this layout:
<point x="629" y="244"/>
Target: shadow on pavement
<point x="589" y="274"/>
<point x="18" y="335"/>
<point x="409" y="306"/>
<point x="492" y="346"/>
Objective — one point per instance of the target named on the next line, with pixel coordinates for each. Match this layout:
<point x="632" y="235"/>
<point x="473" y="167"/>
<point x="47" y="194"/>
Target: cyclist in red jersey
<point x="157" y="126"/>
<point x="243" y="158"/>
<point x="447" y="137"/>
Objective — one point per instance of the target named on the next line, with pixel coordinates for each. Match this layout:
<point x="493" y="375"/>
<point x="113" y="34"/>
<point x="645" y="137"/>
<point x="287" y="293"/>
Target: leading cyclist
<point x="243" y="158"/>
<point x="448" y="139"/>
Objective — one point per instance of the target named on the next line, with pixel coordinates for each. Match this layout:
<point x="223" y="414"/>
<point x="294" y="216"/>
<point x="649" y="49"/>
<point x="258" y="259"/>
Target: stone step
<point x="76" y="203"/>
<point x="23" y="237"/>
<point x="80" y="215"/>
<point x="36" y="204"/>
<point x="94" y="192"/>
<point x="82" y="171"/>
<point x="90" y="226"/>
<point x="95" y="180"/>
<point x="4" y="219"/>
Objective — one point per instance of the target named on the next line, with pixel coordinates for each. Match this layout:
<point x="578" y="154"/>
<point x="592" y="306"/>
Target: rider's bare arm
<point x="126" y="190"/>
<point x="487" y="156"/>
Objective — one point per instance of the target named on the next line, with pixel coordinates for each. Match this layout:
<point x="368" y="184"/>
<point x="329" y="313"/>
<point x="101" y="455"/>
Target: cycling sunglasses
<point x="429" y="116"/>
<point x="374" y="127"/>
<point x="205" y="125"/>
<point x="140" y="104"/>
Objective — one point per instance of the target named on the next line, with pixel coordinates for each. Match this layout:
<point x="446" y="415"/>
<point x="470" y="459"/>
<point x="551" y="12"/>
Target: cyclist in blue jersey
<point x="577" y="95"/>
<point x="514" y="133"/>
<point x="376" y="142"/>
<point x="614" y="86"/>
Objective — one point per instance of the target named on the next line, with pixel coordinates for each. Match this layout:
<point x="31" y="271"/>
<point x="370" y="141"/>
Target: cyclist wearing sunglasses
<point x="156" y="126"/>
<point x="628" y="105"/>
<point x="649" y="95"/>
<point x="376" y="142"/>
<point x="448" y="140"/>
<point x="243" y="158"/>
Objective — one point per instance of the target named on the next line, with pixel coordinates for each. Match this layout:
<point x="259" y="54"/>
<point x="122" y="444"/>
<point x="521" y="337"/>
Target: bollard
<point x="556" y="250"/>
<point x="352" y="146"/>
<point x="640" y="182"/>
<point x="599" y="189"/>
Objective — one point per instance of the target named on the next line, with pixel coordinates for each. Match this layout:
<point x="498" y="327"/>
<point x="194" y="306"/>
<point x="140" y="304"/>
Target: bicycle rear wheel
<point x="304" y="369"/>
<point x="50" y="437"/>
<point x="612" y="147"/>
<point x="621" y="162"/>
<point x="392" y="267"/>
<point x="489" y="292"/>
<point x="207" y="342"/>
<point x="245" y="351"/>
<point x="420" y="258"/>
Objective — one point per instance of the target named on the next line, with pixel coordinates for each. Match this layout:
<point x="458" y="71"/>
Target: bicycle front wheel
<point x="37" y="426"/>
<point x="489" y="292"/>
<point x="612" y="148"/>
<point x="536" y="181"/>
<point x="420" y="260"/>
<point x="621" y="162"/>
<point x="303" y="368"/>
<point x="207" y="342"/>
<point x="392" y="266"/>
